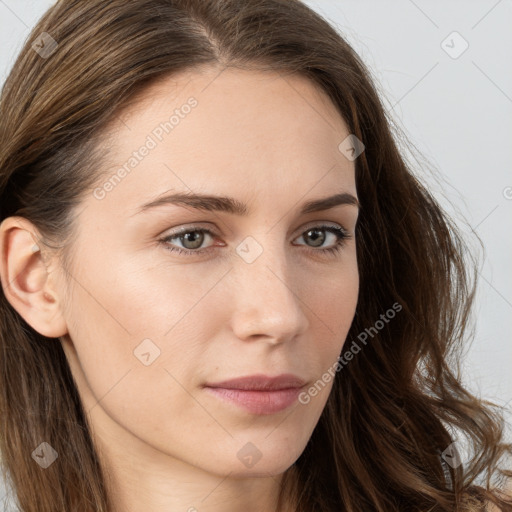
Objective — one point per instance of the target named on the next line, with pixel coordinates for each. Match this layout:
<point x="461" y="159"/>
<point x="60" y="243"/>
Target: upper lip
<point x="260" y="382"/>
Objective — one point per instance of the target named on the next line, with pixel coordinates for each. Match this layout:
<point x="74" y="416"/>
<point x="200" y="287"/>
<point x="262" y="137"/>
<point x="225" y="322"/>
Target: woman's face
<point x="257" y="293"/>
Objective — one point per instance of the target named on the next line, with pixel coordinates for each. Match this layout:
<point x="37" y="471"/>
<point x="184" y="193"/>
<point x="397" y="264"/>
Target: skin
<point x="271" y="142"/>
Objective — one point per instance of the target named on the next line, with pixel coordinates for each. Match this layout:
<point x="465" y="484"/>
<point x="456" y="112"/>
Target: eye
<point x="340" y="234"/>
<point x="191" y="244"/>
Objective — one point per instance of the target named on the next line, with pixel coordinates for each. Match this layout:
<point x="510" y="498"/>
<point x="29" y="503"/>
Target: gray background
<point x="456" y="111"/>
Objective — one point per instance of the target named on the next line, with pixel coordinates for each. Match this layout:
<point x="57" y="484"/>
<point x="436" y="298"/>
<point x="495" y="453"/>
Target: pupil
<point x="321" y="237"/>
<point x="196" y="238"/>
<point x="195" y="244"/>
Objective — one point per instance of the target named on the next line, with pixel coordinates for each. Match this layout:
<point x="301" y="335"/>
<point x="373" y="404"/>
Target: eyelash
<point x="341" y="234"/>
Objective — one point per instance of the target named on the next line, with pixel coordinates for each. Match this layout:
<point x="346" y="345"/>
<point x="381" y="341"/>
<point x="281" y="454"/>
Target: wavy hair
<point x="381" y="441"/>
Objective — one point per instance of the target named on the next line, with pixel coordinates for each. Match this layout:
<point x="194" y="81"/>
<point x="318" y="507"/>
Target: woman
<point x="223" y="288"/>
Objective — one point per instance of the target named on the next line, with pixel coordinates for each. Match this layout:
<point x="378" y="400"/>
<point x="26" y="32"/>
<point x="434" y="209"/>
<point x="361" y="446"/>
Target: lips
<point x="260" y="382"/>
<point x="258" y="394"/>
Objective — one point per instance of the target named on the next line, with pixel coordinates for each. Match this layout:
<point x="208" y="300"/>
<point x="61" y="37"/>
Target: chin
<point x="260" y="469"/>
<point x="265" y="458"/>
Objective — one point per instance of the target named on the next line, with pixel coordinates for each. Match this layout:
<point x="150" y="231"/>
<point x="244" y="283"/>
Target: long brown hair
<point x="392" y="413"/>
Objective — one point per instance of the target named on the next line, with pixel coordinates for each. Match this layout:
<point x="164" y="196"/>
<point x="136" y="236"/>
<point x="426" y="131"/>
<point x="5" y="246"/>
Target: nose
<point x="266" y="299"/>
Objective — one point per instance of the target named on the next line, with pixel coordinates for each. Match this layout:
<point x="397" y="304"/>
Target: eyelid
<point x="341" y="234"/>
<point x="214" y="231"/>
<point x="324" y="223"/>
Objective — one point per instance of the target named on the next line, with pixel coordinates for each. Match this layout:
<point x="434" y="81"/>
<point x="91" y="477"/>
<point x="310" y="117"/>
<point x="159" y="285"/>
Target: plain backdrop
<point x="443" y="68"/>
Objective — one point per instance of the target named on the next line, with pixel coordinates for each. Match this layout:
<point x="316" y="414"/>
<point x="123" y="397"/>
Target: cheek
<point x="336" y="307"/>
<point x="125" y="365"/>
<point x="333" y="298"/>
<point x="130" y="322"/>
<point x="125" y="301"/>
<point x="179" y="309"/>
<point x="333" y="308"/>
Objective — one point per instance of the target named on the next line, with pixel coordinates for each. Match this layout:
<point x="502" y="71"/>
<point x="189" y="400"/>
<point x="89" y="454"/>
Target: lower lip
<point x="258" y="402"/>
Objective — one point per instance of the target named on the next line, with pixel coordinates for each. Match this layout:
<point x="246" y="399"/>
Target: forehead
<point x="234" y="89"/>
<point x="210" y="130"/>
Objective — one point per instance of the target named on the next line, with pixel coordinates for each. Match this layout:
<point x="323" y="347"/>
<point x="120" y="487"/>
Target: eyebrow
<point x="226" y="204"/>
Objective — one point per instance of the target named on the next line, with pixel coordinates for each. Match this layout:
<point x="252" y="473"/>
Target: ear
<point x="26" y="281"/>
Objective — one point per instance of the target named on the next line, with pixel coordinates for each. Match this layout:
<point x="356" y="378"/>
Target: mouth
<point x="259" y="394"/>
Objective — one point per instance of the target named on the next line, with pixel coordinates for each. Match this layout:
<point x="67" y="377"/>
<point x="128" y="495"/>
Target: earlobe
<point x="26" y="281"/>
